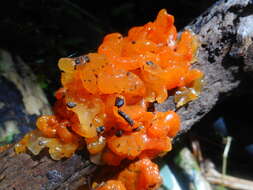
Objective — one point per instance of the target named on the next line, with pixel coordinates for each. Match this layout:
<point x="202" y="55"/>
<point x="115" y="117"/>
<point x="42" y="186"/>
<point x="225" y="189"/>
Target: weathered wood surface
<point x="26" y="172"/>
<point x="225" y="56"/>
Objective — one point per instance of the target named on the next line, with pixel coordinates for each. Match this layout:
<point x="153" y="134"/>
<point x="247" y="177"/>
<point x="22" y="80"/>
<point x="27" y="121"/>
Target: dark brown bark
<point x="28" y="172"/>
<point x="225" y="33"/>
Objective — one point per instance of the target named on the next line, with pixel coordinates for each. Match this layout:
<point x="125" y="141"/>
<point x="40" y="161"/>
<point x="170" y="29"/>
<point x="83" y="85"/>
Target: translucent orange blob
<point x="129" y="146"/>
<point x="47" y="125"/>
<point x="141" y="175"/>
<point x="164" y="124"/>
<point x="111" y="158"/>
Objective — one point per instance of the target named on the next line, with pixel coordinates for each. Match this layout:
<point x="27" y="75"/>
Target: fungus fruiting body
<point x="104" y="99"/>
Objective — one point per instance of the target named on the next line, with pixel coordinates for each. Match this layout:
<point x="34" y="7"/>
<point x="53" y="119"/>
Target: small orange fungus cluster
<point x="140" y="175"/>
<point x="104" y="99"/>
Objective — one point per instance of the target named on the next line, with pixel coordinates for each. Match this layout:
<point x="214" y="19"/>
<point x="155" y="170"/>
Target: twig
<point x="225" y="155"/>
<point x="215" y="177"/>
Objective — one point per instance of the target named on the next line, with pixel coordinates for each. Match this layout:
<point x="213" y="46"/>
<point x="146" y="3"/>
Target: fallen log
<point x="225" y="34"/>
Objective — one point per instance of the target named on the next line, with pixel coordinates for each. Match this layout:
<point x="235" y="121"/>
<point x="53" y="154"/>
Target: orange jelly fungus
<point x="140" y="175"/>
<point x="104" y="99"/>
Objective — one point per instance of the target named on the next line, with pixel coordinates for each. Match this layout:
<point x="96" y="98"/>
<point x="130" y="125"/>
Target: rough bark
<point x="225" y="34"/>
<point x="28" y="172"/>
